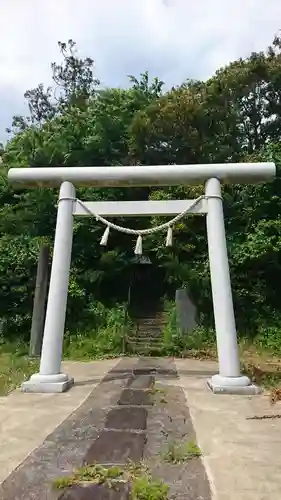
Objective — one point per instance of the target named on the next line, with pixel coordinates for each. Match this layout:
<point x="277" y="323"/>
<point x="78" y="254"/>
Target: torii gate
<point x="229" y="380"/>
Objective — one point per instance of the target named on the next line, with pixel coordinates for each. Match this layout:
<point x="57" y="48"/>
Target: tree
<point x="74" y="78"/>
<point x="74" y="84"/>
<point x="185" y="125"/>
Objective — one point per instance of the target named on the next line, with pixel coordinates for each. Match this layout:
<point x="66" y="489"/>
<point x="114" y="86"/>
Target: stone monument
<point x="186" y="311"/>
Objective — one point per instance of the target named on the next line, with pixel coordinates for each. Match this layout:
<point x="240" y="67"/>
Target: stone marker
<point x="186" y="311"/>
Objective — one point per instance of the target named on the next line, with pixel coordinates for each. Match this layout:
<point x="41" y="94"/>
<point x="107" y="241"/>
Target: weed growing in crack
<point x="158" y="391"/>
<point x="143" y="486"/>
<point x="181" y="452"/>
<point x="92" y="473"/>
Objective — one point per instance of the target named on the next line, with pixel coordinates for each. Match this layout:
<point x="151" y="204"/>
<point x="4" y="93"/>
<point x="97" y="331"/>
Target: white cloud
<point x="173" y="39"/>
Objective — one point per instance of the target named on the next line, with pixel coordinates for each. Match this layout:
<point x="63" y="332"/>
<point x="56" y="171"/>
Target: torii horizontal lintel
<point x="153" y="175"/>
<point x="139" y="208"/>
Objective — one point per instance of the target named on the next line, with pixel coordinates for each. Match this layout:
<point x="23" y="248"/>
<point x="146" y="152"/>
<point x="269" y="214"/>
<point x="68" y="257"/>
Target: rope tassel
<point x="169" y="238"/>
<point x="138" y="247"/>
<point x="104" y="240"/>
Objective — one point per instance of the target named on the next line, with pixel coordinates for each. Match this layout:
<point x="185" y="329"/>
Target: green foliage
<point x="143" y="486"/>
<point x="146" y="489"/>
<point x="15" y="366"/>
<point x="233" y="116"/>
<point x="181" y="452"/>
<point x="176" y="343"/>
<point x="104" y="339"/>
<point x="92" y="473"/>
<point x="268" y="337"/>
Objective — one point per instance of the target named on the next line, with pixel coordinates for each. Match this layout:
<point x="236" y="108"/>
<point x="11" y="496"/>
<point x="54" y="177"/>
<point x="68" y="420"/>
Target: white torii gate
<point x="229" y="380"/>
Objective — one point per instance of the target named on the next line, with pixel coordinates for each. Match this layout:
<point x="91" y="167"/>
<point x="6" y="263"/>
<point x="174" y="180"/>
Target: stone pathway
<point x="111" y="415"/>
<point x="119" y="421"/>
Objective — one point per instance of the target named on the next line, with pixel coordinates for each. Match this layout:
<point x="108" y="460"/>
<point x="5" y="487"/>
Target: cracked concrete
<point x="27" y="419"/>
<point x="242" y="457"/>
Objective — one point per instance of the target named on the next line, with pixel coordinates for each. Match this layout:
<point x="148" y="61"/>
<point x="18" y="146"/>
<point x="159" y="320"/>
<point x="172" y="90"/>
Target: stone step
<point x="148" y="333"/>
<point x="150" y="321"/>
<point x="144" y="349"/>
<point x="151" y="326"/>
<point x="153" y="331"/>
<point x="148" y="329"/>
<point x="145" y="340"/>
<point x="145" y="313"/>
<point x="154" y="326"/>
<point x="148" y="339"/>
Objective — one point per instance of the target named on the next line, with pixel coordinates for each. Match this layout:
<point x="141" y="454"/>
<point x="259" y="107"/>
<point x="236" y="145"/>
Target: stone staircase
<point x="147" y="334"/>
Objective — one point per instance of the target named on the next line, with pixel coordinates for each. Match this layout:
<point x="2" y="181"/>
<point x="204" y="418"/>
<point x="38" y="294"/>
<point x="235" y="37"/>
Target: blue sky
<point x="172" y="39"/>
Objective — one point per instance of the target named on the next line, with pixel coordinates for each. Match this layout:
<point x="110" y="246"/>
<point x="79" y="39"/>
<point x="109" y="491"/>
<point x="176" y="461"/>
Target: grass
<point x="15" y="367"/>
<point x="143" y="486"/>
<point x="104" y="342"/>
<point x="263" y="367"/>
<point x="160" y="392"/>
<point x="181" y="452"/>
<point x="261" y="364"/>
<point x="94" y="473"/>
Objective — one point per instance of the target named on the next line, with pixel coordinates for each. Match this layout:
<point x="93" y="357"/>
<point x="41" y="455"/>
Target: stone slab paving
<point x="113" y="447"/>
<point x="169" y="421"/>
<point x="164" y="418"/>
<point x="65" y="447"/>
<point x="95" y="432"/>
<point x="127" y="417"/>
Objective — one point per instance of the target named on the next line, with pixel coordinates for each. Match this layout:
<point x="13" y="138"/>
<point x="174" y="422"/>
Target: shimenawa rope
<point x="139" y="232"/>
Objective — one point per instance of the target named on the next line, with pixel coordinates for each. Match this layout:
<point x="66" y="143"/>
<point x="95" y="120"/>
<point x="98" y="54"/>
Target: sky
<point x="172" y="39"/>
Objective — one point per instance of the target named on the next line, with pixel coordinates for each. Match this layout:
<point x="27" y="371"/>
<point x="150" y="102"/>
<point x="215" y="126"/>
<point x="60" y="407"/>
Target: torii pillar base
<point x="52" y="384"/>
<point x="233" y="385"/>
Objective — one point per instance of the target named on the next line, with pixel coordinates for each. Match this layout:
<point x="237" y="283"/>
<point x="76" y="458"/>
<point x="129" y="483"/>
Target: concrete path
<point x="241" y="455"/>
<point x="27" y="419"/>
<point x="123" y="418"/>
